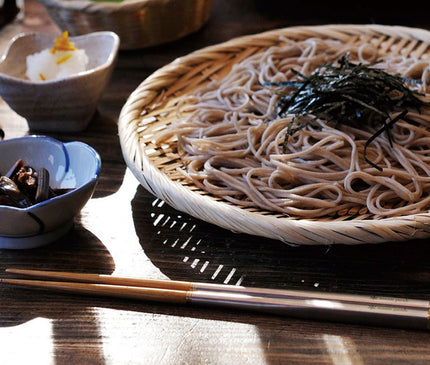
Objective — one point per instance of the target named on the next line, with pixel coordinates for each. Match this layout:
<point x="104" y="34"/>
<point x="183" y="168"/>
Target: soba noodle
<point x="230" y="140"/>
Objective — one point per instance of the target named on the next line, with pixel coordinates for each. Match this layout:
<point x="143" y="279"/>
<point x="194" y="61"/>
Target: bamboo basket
<point x="151" y="108"/>
<point x="138" y="23"/>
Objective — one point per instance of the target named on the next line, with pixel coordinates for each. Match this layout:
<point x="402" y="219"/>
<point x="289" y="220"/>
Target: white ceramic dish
<point x="71" y="165"/>
<point x="61" y="105"/>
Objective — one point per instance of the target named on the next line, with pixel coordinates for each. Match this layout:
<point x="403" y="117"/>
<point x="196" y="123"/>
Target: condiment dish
<point x="60" y="105"/>
<point x="73" y="167"/>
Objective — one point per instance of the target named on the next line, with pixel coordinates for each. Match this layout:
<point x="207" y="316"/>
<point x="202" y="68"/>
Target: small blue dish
<point x="73" y="166"/>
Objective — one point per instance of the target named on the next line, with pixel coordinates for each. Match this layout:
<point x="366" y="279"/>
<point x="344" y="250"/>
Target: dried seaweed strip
<point x="350" y="94"/>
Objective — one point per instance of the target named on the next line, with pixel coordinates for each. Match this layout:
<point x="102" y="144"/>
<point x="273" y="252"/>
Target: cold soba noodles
<point x="231" y="138"/>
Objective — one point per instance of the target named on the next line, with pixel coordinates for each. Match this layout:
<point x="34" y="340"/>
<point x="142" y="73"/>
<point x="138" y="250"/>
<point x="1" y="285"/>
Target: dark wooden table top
<point x="124" y="230"/>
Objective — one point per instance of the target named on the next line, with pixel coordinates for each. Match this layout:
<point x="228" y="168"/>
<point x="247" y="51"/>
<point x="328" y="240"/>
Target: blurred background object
<point x="9" y="10"/>
<point x="139" y="23"/>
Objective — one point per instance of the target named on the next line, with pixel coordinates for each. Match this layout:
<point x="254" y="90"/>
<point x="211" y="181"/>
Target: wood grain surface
<point x="124" y="230"/>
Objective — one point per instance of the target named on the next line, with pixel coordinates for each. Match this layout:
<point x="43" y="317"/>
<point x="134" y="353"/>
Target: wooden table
<point x="124" y="230"/>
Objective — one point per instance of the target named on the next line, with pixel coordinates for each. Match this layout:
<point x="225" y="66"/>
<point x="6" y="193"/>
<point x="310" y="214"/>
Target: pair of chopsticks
<point x="362" y="309"/>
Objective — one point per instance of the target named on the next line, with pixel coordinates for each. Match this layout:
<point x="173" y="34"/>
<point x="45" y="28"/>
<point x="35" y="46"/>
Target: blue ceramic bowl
<point x="73" y="166"/>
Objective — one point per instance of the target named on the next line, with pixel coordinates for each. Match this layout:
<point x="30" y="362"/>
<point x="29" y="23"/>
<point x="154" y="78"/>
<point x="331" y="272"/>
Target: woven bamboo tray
<point x="138" y="23"/>
<point x="150" y="109"/>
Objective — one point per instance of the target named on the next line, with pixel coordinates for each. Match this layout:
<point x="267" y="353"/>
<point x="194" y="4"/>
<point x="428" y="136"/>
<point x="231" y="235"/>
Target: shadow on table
<point x="185" y="248"/>
<point x="78" y="251"/>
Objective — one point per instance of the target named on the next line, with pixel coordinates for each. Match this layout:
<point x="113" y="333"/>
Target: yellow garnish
<point x="63" y="43"/>
<point x="63" y="59"/>
<point x="42" y="77"/>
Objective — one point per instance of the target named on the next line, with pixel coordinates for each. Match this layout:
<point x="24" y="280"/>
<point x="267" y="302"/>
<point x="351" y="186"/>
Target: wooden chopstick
<point x="194" y="286"/>
<point x="398" y="313"/>
<point x="118" y="291"/>
<point x="102" y="279"/>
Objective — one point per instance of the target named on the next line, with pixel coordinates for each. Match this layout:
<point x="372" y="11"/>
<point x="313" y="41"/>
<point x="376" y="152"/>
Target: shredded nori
<point x="348" y="93"/>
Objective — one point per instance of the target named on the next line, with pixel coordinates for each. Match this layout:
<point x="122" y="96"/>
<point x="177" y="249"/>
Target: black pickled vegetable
<point x="23" y="186"/>
<point x="348" y="93"/>
<point x="11" y="195"/>
<point x="42" y="190"/>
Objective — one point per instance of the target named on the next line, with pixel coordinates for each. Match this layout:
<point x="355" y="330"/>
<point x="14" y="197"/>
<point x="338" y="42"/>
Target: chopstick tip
<point x="14" y="271"/>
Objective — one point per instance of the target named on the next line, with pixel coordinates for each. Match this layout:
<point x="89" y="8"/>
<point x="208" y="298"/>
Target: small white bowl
<point x="71" y="165"/>
<point x="60" y="105"/>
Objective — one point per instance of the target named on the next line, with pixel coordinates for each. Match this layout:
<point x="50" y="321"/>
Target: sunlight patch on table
<point x="111" y="224"/>
<point x="342" y="350"/>
<point x="155" y="337"/>
<point x="38" y="347"/>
